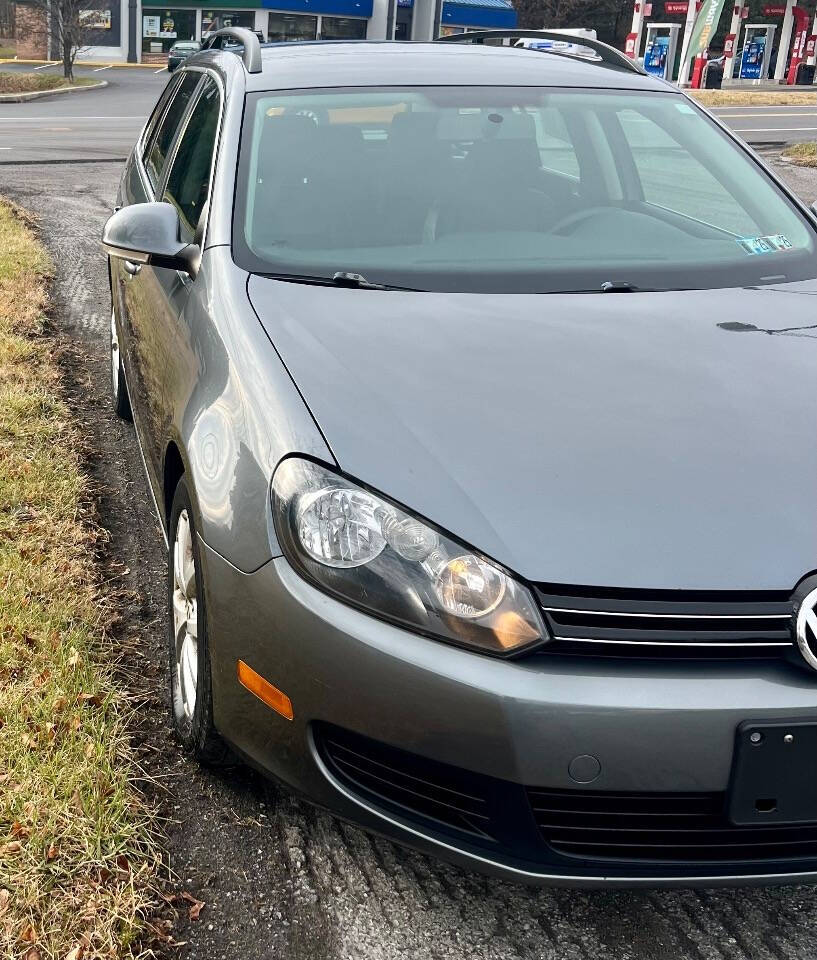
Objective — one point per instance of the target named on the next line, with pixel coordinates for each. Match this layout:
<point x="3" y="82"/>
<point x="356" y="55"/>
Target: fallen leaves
<point x="196" y="906"/>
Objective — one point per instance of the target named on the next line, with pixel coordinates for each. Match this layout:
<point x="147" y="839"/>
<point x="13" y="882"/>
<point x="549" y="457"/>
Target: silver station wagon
<point x="477" y="392"/>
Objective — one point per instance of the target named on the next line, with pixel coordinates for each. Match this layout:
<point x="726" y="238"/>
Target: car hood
<point x="654" y="440"/>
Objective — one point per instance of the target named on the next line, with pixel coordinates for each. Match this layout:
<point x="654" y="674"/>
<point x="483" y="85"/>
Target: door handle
<point x="132" y="268"/>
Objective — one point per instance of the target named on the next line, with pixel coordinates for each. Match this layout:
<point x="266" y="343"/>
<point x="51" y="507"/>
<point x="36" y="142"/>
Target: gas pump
<point x="757" y="49"/>
<point x="661" y="46"/>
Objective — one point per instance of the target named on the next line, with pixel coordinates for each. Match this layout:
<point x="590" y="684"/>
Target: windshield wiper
<point x="618" y="286"/>
<point x="342" y="278"/>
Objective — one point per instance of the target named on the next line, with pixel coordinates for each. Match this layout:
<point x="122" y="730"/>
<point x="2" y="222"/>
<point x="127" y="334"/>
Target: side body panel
<point x="234" y="412"/>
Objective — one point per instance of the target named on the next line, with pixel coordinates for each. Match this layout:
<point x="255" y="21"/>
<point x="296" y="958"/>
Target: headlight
<point x="372" y="554"/>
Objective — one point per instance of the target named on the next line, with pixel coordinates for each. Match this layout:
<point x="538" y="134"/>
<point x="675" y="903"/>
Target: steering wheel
<point x="575" y="219"/>
<point x="319" y="117"/>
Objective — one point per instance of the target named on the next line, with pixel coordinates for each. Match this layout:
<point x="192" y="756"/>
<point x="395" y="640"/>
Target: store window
<point x="291" y="26"/>
<point x="161" y="28"/>
<point x="218" y="19"/>
<point x="343" y="28"/>
<point x="402" y="27"/>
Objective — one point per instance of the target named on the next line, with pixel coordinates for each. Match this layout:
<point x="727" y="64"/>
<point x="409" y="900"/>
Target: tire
<point x="119" y="389"/>
<point x="191" y="689"/>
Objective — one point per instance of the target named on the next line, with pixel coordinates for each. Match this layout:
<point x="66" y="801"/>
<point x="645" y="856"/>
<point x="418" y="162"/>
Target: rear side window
<point x="188" y="184"/>
<point x="158" y="110"/>
<point x="169" y="124"/>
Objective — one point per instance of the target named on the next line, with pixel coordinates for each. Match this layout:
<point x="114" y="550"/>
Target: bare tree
<point x="610" y="18"/>
<point x="72" y="24"/>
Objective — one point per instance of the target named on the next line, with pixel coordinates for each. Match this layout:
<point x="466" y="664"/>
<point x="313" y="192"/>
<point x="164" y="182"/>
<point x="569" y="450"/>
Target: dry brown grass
<point x="803" y="154"/>
<point x="762" y="98"/>
<point x="31" y="82"/>
<point x="77" y="856"/>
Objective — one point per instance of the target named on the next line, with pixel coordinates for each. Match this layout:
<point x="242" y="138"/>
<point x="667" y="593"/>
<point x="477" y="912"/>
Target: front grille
<point x="412" y="784"/>
<point x="660" y="827"/>
<point x="697" y="624"/>
<point x="564" y="831"/>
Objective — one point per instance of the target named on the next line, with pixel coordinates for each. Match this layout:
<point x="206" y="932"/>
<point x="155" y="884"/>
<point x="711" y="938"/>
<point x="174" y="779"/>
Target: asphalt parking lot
<point x="278" y="877"/>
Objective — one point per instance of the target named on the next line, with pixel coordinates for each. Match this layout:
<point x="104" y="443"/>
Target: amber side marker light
<point x="264" y="690"/>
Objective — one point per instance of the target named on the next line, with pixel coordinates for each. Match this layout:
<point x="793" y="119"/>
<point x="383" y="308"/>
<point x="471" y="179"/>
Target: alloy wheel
<point x="114" y="356"/>
<point x="185" y="615"/>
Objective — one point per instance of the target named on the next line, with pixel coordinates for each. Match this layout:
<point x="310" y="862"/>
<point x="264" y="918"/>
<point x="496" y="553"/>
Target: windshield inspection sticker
<point x="773" y="244"/>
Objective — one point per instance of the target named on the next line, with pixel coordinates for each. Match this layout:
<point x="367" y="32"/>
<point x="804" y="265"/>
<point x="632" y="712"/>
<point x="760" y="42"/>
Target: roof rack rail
<point x="252" y="45"/>
<point x="607" y="54"/>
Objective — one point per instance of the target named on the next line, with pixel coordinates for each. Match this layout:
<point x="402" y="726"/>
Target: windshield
<point x="508" y="190"/>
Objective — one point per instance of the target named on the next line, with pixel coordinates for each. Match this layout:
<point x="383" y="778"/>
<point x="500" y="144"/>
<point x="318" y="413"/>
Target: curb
<point x="39" y="94"/>
<point x="80" y="63"/>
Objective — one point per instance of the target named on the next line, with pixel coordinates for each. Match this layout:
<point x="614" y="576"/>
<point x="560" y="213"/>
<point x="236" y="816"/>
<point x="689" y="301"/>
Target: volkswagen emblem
<point x="805" y="628"/>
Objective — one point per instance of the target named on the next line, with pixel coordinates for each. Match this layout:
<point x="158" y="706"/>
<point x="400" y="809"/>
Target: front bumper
<point x="653" y="727"/>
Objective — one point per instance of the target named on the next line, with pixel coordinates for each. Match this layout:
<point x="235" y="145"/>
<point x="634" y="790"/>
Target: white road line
<point x="45" y="66"/>
<point x="160" y="70"/>
<point x="106" y="67"/>
<point x="742" y="116"/>
<point x="774" y="129"/>
<point x="5" y="148"/>
<point x="60" y="119"/>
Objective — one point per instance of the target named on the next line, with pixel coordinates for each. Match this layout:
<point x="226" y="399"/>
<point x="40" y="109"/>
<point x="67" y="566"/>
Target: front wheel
<point x="191" y="691"/>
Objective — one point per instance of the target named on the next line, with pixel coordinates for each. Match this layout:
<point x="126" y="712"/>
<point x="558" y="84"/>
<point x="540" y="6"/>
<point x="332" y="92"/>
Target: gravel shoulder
<point x="279" y="878"/>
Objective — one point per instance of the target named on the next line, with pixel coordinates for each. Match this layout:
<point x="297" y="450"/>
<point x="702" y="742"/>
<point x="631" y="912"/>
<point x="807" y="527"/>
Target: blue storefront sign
<point x="487" y="14"/>
<point x="338" y="8"/>
<point x="478" y="13"/>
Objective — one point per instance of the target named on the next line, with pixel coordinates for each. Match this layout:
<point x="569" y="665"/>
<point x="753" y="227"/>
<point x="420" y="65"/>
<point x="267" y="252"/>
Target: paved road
<point x="759" y="125"/>
<point x="279" y="878"/>
<point x="103" y="124"/>
<point x="94" y="125"/>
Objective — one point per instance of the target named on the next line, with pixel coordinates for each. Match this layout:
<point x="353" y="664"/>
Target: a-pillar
<point x="734" y="32"/>
<point x="686" y="65"/>
<point x="785" y="42"/>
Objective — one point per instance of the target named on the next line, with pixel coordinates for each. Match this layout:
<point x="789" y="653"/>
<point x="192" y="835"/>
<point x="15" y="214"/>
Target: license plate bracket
<point x="774" y="773"/>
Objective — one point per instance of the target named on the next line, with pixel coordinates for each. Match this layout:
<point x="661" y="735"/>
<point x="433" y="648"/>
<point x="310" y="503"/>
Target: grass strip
<point x="36" y="82"/>
<point x="762" y="98"/>
<point x="803" y="154"/>
<point x="78" y="860"/>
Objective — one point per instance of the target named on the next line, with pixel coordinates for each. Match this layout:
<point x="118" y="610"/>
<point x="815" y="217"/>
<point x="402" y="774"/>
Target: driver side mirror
<point x="149" y="233"/>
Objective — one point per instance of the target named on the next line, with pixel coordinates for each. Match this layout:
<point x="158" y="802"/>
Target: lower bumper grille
<point x="562" y="831"/>
<point x="660" y="827"/>
<point x="414" y="785"/>
<point x="646" y="623"/>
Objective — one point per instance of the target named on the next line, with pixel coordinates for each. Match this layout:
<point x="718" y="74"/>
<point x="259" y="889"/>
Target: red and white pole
<point x="732" y="47"/>
<point x="632" y="45"/>
<point x="785" y="41"/>
<point x="686" y="64"/>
